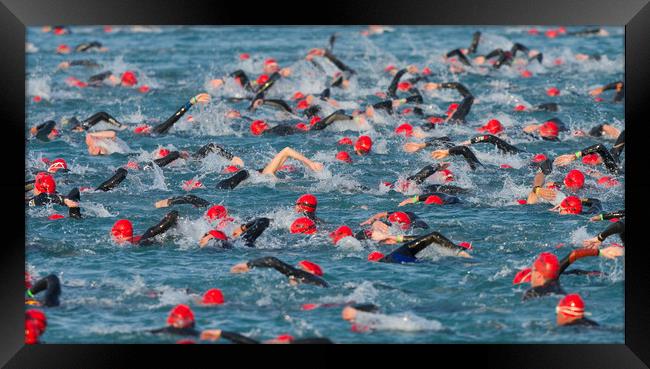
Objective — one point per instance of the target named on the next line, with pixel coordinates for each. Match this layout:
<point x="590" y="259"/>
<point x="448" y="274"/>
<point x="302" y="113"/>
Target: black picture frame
<point x="15" y="15"/>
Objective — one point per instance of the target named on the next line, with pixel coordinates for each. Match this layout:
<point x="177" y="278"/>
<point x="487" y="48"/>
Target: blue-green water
<point x="111" y="292"/>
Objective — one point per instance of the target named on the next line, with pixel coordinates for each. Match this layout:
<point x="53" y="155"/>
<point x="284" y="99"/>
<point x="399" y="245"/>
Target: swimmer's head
<point x="344" y="157"/>
<point x="31" y="332"/>
<point x="400" y="218"/>
<point x="493" y="126"/>
<point x="303" y="225"/>
<point x="38" y="317"/>
<point x="44" y="183"/>
<point x="262" y="79"/>
<point x="271" y="66"/>
<point x="258" y="126"/>
<point x="549" y="130"/>
<point x="434" y="199"/>
<point x="592" y="159"/>
<point x="545" y="268"/>
<point x="451" y="109"/>
<point x="311" y="267"/>
<point x="218" y="235"/>
<point x="571" y="205"/>
<point x="57" y="164"/>
<point x="404" y="129"/>
<point x="181" y="316"/>
<point x="216" y="212"/>
<point x="539" y="158"/>
<point x="574" y="180"/>
<point x="306" y="203"/>
<point x="213" y="296"/>
<point x="128" y="79"/>
<point x="363" y="145"/>
<point x="340" y="233"/>
<point x="122" y="231"/>
<point x="375" y="256"/>
<point x="570" y="308"/>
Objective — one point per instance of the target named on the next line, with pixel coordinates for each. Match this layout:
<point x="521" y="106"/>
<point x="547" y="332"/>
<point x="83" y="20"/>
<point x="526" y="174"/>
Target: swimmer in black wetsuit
<point x="52" y="287"/>
<point x="90" y="46"/>
<point x="249" y="232"/>
<point x="458" y="114"/>
<point x="114" y="181"/>
<point x="438" y="198"/>
<point x="615" y="228"/>
<point x="606" y="156"/>
<point x="195" y="201"/>
<point x="122" y="231"/>
<point x="295" y="275"/>
<point x="45" y="131"/>
<point x="88" y="63"/>
<point x="407" y="253"/>
<point x="44" y="190"/>
<point x="571" y="312"/>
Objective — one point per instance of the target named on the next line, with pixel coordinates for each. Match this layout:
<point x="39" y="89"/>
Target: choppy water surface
<point x="110" y="292"/>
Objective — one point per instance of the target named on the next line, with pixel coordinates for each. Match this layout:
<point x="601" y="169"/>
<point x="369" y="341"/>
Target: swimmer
<point x="308" y="273"/>
<point x="88" y="63"/>
<point x="306" y="205"/>
<point x="195" y="201"/>
<point x="407" y="253"/>
<point x="571" y="312"/>
<point x="249" y="232"/>
<point x="90" y="46"/>
<point x="114" y="181"/>
<point x="45" y="131"/>
<point x="619" y="86"/>
<point x="617" y="227"/>
<point x="52" y="287"/>
<point x="122" y="230"/>
<point x="45" y="193"/>
<point x="605" y="155"/>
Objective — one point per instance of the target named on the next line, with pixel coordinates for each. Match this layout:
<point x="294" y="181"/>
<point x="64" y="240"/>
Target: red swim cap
<point x="520" y="108"/>
<point x="452" y="108"/>
<point x="216" y="212"/>
<point x="526" y="73"/>
<point x="539" y="158"/>
<point x="553" y="91"/>
<point x="389" y="68"/>
<point x="302" y="126"/>
<point x="55" y="217"/>
<point x="231" y="169"/>
<point x="56" y="165"/>
<point x="400" y="217"/>
<point x="186" y="341"/>
<point x="363" y="145"/>
<point x="547" y="265"/>
<point x="572" y="205"/>
<point x="465" y="245"/>
<point x="284" y="338"/>
<point x="574" y="179"/>
<point x="307" y="202"/>
<point x="122" y="230"/>
<point x="448" y="175"/>
<point x="523" y="276"/>
<point x="345" y="141"/>
<point x="592" y="159"/>
<point x="405" y="129"/>
<point x="181" y="316"/>
<point x="218" y="235"/>
<point x="551" y="33"/>
<point x="571" y="306"/>
<point x="270" y="61"/>
<point x="302" y="104"/>
<point x="63" y="49"/>
<point x="426" y="71"/>
<point x="129" y="79"/>
<point x="404" y="86"/>
<point x="549" y="129"/>
<point x="162" y="153"/>
<point x="310" y="267"/>
<point x="435" y="120"/>
<point x="262" y="79"/>
<point x="244" y="56"/>
<point x="314" y="120"/>
<point x="303" y="225"/>
<point x="298" y="95"/>
<point x="375" y="256"/>
<point x="31" y="332"/>
<point x="493" y="126"/>
<point x="340" y="232"/>
<point x="344" y="156"/>
<point x="37" y="317"/>
<point x="45" y="183"/>
<point x="434" y="199"/>
<point x="258" y="126"/>
<point x="142" y="129"/>
<point x="144" y="89"/>
<point x="213" y="296"/>
<point x="37" y="99"/>
<point x="533" y="31"/>
<point x="608" y="181"/>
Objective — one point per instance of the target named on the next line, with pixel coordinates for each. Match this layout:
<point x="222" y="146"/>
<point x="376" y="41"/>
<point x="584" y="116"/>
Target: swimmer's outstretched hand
<point x="591" y="243"/>
<point x="162" y="203"/>
<point x="70" y="203"/>
<point x="464" y="254"/>
<point x="612" y="252"/>
<point x="563" y="160"/>
<point x="440" y="154"/>
<point x="316" y="167"/>
<point x="596" y="91"/>
<point x="410" y="200"/>
<point x="211" y="334"/>
<point x="375" y="217"/>
<point x="531" y="128"/>
<point x="202" y="98"/>
<point x="240" y="268"/>
<point x="413" y="146"/>
<point x="547" y="194"/>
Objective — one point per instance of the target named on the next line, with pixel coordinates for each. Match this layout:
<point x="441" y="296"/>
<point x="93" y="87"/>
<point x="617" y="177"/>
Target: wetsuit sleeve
<point x="253" y="229"/>
<point x="463" y="109"/>
<point x="166" y="125"/>
<point x="463" y="59"/>
<point x="600" y="149"/>
<point x="496" y="141"/>
<point x="46" y="198"/>
<point x="416" y="96"/>
<point x="593" y="205"/>
<point x="237" y="338"/>
<point x="52" y="287"/>
<point x="189" y="199"/>
<point x="576" y="255"/>
<point x="493" y="53"/>
<point x="458" y="87"/>
<point x="619" y="146"/>
<point x="424" y="173"/>
<point x="243" y="79"/>
<point x="99" y="117"/>
<point x="74" y="195"/>
<point x="439" y="142"/>
<point x="392" y="88"/>
<point x="265" y="87"/>
<point x="85" y="63"/>
<point x="97" y="79"/>
<point x="234" y="181"/>
<point x="114" y="181"/>
<point x="334" y="117"/>
<point x="518" y="47"/>
<point x="190" y="331"/>
<point x="539" y="57"/>
<point x="212" y="147"/>
<point x="368" y="308"/>
<point x="467" y="154"/>
<point x="167" y="159"/>
<point x="476" y="37"/>
<point x="613" y="214"/>
<point x="339" y="64"/>
<point x="412" y="248"/>
<point x="167" y="222"/>
<point x="547" y="107"/>
<point x="44" y="129"/>
<point x="614" y="228"/>
<point x="612" y="86"/>
<point x="384" y="105"/>
<point x="278" y="103"/>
